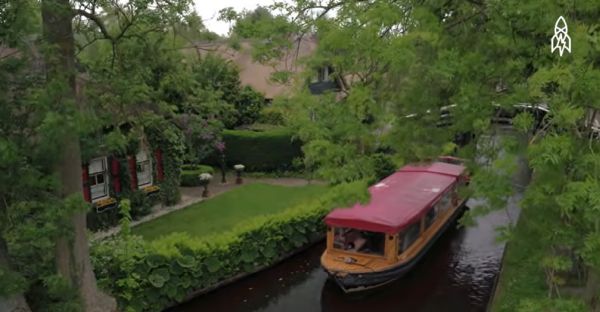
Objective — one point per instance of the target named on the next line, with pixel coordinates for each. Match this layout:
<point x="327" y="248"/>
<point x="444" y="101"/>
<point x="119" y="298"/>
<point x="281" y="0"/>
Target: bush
<point x="271" y="116"/>
<point x="141" y="203"/>
<point x="383" y="165"/>
<point x="261" y="150"/>
<point x="103" y="220"/>
<point x="150" y="276"/>
<point x="190" y="173"/>
<point x="249" y="105"/>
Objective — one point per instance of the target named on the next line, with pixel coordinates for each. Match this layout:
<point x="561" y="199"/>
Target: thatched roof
<point x="256" y="74"/>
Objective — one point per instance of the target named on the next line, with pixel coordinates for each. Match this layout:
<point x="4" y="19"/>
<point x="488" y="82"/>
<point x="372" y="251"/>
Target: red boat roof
<point x="398" y="200"/>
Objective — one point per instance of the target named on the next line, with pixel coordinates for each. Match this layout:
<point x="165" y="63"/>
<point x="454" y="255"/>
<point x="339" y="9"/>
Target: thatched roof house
<point x="259" y="75"/>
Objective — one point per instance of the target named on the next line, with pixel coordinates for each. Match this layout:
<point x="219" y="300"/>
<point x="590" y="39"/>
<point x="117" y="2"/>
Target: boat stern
<point x="355" y="273"/>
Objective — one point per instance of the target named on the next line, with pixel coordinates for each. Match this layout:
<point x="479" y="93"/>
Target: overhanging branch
<point x="97" y="20"/>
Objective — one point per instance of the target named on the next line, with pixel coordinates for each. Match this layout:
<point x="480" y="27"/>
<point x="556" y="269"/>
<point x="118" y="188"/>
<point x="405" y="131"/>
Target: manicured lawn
<point x="222" y="213"/>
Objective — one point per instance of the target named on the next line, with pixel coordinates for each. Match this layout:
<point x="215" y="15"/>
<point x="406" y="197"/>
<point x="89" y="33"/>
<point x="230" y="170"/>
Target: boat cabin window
<point x="352" y="240"/>
<point x="444" y="203"/>
<point x="408" y="237"/>
<point x="430" y="217"/>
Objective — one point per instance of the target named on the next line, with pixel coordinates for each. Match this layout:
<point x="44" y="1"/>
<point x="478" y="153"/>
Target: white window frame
<point x="143" y="158"/>
<point x="93" y="174"/>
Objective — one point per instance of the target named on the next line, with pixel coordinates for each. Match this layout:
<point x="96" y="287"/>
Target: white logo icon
<point x="561" y="40"/>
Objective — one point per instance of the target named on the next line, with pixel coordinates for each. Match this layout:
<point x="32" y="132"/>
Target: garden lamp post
<point x="204" y="181"/>
<point x="238" y="170"/>
<point x="223" y="168"/>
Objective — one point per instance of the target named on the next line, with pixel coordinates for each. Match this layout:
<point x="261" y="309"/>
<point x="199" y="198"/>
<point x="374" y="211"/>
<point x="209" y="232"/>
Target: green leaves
<point x="552" y="150"/>
<point x="249" y="254"/>
<point x="159" y="277"/>
<point x="11" y="282"/>
<point x="187" y="262"/>
<point x="213" y="264"/>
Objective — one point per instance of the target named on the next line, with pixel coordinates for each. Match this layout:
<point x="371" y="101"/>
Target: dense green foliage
<point x="399" y="62"/>
<point x="267" y="150"/>
<point x="522" y="277"/>
<point x="224" y="212"/>
<point x="240" y="105"/>
<point x="190" y="174"/>
<point x="126" y="56"/>
<point x="149" y="276"/>
<point x="269" y="34"/>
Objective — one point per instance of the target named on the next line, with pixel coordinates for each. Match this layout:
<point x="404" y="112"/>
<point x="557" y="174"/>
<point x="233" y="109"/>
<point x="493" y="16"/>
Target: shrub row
<point x="267" y="150"/>
<point x="189" y="174"/>
<point x="148" y="276"/>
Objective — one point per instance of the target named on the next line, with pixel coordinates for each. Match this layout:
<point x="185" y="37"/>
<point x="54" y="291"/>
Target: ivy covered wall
<point x="165" y="145"/>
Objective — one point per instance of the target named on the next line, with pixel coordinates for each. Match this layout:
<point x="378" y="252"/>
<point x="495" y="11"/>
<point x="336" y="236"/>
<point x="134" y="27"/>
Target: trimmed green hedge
<point x="267" y="150"/>
<point x="150" y="276"/>
<point x="189" y="174"/>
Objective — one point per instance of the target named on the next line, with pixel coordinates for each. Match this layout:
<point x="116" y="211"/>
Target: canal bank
<point x="519" y="263"/>
<point x="521" y="275"/>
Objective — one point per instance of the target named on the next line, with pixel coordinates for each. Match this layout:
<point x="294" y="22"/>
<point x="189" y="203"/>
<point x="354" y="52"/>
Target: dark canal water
<point x="457" y="274"/>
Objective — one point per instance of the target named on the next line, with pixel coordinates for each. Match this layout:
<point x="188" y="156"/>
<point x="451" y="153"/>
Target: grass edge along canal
<point x="225" y="211"/>
<point x="521" y="284"/>
<point x="150" y="276"/>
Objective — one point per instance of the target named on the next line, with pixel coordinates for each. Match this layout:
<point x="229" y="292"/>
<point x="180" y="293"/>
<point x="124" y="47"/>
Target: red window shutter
<point x="114" y="172"/>
<point x="132" y="172"/>
<point x="85" y="179"/>
<point x="160" y="174"/>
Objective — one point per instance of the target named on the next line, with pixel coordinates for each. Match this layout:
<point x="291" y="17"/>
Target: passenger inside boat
<point x="353" y="240"/>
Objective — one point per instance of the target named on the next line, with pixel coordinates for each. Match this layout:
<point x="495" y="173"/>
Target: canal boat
<point x="370" y="245"/>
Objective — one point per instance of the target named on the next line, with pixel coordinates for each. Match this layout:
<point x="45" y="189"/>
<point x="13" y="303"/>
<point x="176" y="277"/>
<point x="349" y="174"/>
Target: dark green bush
<point x="249" y="105"/>
<point x="190" y="173"/>
<point x="141" y="203"/>
<point x="383" y="165"/>
<point x="271" y="116"/>
<point x="261" y="150"/>
<point x="149" y="276"/>
<point x="103" y="220"/>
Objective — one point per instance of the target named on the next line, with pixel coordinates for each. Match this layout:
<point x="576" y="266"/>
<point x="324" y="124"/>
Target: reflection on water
<point x="457" y="274"/>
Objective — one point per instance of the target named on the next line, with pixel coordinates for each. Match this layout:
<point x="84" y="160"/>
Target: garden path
<point x="193" y="195"/>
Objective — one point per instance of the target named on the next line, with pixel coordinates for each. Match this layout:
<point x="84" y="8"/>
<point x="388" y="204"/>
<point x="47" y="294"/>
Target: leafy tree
<point x="212" y="72"/>
<point x="43" y="241"/>
<point x="249" y="104"/>
<point x="246" y="23"/>
<point x="409" y="59"/>
<point x="271" y="36"/>
<point x="239" y="105"/>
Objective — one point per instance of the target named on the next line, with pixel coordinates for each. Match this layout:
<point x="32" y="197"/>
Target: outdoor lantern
<point x="204" y="181"/>
<point x="238" y="170"/>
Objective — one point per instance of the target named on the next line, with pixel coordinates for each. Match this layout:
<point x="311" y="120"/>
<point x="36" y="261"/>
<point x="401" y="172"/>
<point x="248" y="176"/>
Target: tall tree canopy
<point x="71" y="69"/>
<point x="400" y="62"/>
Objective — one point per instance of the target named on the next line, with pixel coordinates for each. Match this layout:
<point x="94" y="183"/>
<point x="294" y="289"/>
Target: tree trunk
<point x="592" y="290"/>
<point x="15" y="303"/>
<point x="72" y="255"/>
